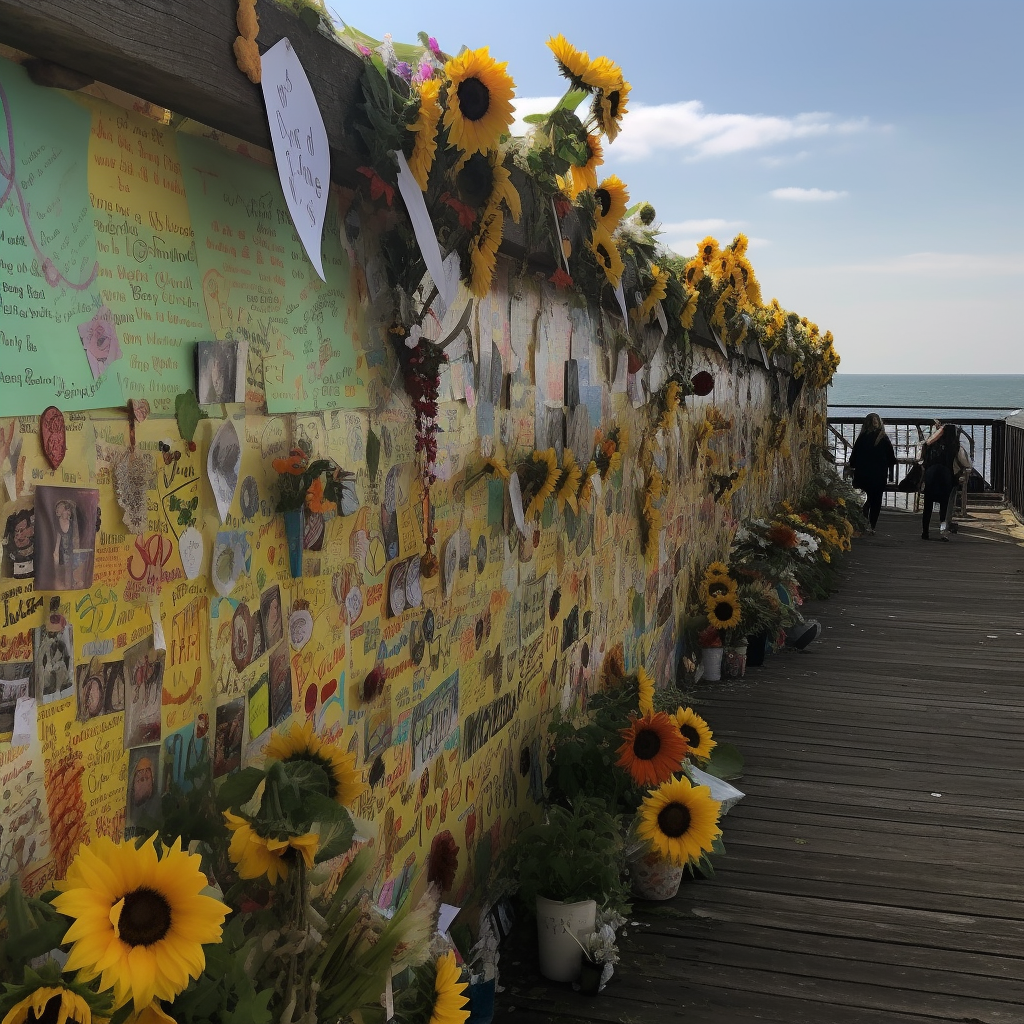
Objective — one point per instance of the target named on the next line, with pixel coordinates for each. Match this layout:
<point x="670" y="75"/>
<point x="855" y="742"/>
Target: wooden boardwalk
<point x="875" y="871"/>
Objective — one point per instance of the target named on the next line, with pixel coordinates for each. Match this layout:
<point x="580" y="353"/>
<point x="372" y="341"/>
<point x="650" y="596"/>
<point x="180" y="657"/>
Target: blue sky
<point x="872" y="151"/>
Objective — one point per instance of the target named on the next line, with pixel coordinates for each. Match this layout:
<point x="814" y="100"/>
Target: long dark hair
<point x="873" y="425"/>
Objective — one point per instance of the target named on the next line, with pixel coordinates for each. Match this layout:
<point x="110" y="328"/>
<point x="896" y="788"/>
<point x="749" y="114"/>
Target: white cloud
<point x="807" y="195"/>
<point x="687" y="126"/>
<point x="701" y="227"/>
<point x="942" y="264"/>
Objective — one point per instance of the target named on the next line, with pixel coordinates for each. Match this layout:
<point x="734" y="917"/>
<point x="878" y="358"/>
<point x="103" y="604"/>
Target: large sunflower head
<point x="480" y="95"/>
<point x="140" y="919"/>
<point x="48" y="998"/>
<point x="450" y="999"/>
<point x="652" y="749"/>
<point x="688" y="310"/>
<point x="612" y="199"/>
<point x="425" y="126"/>
<point x="680" y="821"/>
<point x="609" y="108"/>
<point x="301" y="743"/>
<point x="696" y="733"/>
<point x="603" y="246"/>
<point x="723" y="610"/>
<point x="716" y="586"/>
<point x="708" y="251"/>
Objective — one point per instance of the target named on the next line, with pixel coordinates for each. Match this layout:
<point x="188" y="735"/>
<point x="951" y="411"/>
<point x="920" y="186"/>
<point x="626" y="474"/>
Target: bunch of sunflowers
<point x="263" y="919"/>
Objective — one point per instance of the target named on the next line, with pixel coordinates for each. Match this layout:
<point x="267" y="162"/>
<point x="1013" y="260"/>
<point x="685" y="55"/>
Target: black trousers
<point x="938" y="485"/>
<point x="874" y="503"/>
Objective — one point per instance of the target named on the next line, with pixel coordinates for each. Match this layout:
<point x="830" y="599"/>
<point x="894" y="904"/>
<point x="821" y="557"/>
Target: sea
<point x="944" y="396"/>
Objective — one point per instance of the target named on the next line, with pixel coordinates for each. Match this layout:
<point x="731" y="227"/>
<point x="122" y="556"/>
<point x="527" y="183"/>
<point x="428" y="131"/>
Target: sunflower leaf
<point x="336" y="839"/>
<point x="726" y="762"/>
<point x="238" y="788"/>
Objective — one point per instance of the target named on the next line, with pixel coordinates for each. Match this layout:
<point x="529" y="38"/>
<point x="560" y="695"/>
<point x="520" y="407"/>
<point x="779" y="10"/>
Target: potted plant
<point x="710" y="643"/>
<point x="309" y="489"/>
<point x="566" y="866"/>
<point x="600" y="954"/>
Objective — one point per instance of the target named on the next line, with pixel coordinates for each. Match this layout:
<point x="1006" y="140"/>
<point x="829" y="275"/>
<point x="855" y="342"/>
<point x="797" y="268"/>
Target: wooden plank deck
<point x="875" y="871"/>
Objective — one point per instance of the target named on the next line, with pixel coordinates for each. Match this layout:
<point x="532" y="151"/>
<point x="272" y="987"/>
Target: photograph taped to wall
<point x="220" y="371"/>
<point x="143" y="803"/>
<point x="19" y="541"/>
<point x="66" y="523"/>
<point x="144" y="676"/>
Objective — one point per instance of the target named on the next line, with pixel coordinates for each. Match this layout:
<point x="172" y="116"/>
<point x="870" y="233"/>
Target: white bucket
<point x="711" y="660"/>
<point x="560" y="954"/>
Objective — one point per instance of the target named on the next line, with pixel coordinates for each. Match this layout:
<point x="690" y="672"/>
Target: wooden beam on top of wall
<point x="178" y="54"/>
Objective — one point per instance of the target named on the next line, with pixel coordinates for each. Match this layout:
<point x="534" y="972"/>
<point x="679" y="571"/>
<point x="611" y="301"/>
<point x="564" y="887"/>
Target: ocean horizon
<point x="946" y="395"/>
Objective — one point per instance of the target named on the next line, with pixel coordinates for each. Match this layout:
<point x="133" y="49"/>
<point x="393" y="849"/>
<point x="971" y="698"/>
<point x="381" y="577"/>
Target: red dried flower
<point x="782" y="536"/>
<point x="560" y="279"/>
<point x="378" y="186"/>
<point x="443" y="862"/>
<point x="373" y="685"/>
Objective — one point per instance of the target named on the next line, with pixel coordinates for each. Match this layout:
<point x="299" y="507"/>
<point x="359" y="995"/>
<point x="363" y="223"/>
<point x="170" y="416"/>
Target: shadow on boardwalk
<point x="875" y="872"/>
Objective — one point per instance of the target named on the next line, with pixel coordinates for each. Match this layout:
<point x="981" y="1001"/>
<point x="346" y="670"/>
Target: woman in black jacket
<point x="939" y="455"/>
<point x="872" y="461"/>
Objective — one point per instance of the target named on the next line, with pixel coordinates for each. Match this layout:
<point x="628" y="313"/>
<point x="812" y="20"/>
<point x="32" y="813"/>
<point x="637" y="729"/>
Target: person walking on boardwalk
<point x="872" y="461"/>
<point x="939" y="455"/>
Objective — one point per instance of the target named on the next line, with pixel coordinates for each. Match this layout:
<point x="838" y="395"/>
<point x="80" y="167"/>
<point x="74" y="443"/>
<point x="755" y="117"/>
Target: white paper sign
<point x="190" y="547"/>
<point x="619" y="384"/>
<point x="622" y="305"/>
<point x="515" y="495"/>
<point x="300" y="628"/>
<point x="424" y="230"/>
<point x="659" y="312"/>
<point x="25" y="728"/>
<point x="300" y="145"/>
<point x="223" y="465"/>
<point x="159" y="642"/>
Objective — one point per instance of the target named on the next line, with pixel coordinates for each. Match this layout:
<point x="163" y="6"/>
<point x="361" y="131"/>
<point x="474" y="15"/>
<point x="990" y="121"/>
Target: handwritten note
<point x="300" y="144"/>
<point x="309" y="334"/>
<point x="48" y="269"/>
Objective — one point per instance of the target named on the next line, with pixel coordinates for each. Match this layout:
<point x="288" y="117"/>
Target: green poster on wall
<point x="256" y="277"/>
<point x="57" y="340"/>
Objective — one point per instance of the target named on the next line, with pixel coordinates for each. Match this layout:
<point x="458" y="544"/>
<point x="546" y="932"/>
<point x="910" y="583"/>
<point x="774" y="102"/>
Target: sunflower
<point x="301" y="743"/>
<point x="707" y="251"/>
<point x="546" y="481"/>
<point x="679" y="820"/>
<point x="688" y="310"/>
<point x="480" y="95"/>
<point x="723" y="611"/>
<point x="140" y="919"/>
<point x="484" y="182"/>
<point x="575" y="65"/>
<point x="483" y="252"/>
<point x="587" y="486"/>
<point x="612" y="200"/>
<point x="425" y="127"/>
<point x="568" y="483"/>
<point x="603" y="246"/>
<point x="604" y="74"/>
<point x="46" y="996"/>
<point x="696" y="733"/>
<point x="152" y="1014"/>
<point x="645" y="687"/>
<point x="583" y="177"/>
<point x="652" y="750"/>
<point x="255" y="855"/>
<point x="717" y="569"/>
<point x="658" y="291"/>
<point x="714" y="587"/>
<point x="450" y="1000"/>
<point x="496" y="466"/>
<point x="609" y="108"/>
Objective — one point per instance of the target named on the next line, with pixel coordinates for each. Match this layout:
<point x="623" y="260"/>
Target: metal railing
<point x="1013" y="464"/>
<point x="983" y="438"/>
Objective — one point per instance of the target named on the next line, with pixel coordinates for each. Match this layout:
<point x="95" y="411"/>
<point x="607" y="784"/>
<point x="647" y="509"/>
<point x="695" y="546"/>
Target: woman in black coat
<point x="939" y="455"/>
<point x="872" y="461"/>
